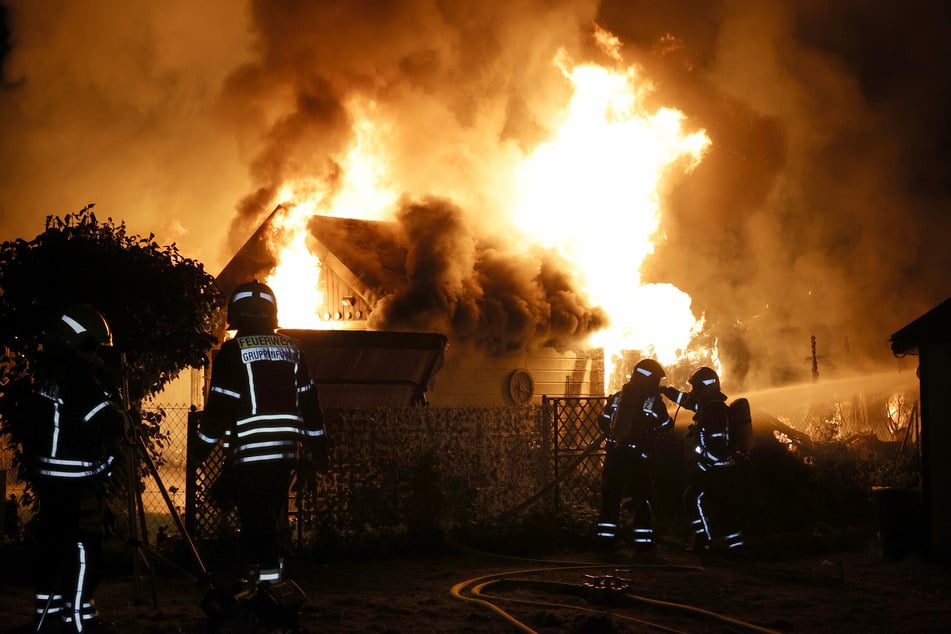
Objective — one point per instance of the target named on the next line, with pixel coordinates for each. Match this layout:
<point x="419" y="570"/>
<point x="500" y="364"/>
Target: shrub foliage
<point x="160" y="305"/>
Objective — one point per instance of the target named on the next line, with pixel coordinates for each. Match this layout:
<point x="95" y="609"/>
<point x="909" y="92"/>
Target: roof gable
<point x="363" y="253"/>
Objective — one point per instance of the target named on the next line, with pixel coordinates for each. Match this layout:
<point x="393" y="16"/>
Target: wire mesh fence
<point x="395" y="468"/>
<point x="170" y="463"/>
<point x="398" y="470"/>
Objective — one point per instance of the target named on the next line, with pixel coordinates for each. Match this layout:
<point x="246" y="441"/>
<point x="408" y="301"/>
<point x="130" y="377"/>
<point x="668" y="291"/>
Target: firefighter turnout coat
<point x="263" y="405"/>
<point x="632" y="417"/>
<point x="262" y="401"/>
<point x="73" y="428"/>
<point x="74" y="425"/>
<point x="722" y="437"/>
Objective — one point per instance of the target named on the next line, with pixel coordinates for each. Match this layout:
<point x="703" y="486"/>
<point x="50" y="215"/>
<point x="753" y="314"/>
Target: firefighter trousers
<point x="261" y="498"/>
<point x="713" y="502"/>
<point x="68" y="555"/>
<point x="626" y="473"/>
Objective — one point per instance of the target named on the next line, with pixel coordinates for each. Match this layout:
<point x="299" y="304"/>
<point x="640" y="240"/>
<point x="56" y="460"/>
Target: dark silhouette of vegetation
<point x="160" y="305"/>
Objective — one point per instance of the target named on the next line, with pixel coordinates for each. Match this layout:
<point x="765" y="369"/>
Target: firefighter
<point x="71" y="443"/>
<point x="720" y="441"/>
<point x="631" y="419"/>
<point x="263" y="406"/>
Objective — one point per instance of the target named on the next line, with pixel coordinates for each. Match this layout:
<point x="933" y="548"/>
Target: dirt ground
<point x="454" y="588"/>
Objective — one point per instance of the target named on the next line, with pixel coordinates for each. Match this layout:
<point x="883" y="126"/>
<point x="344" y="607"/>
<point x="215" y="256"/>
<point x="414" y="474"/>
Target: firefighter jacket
<point x="713" y="447"/>
<point x="73" y="426"/>
<point x="686" y="400"/>
<point x="636" y="414"/>
<point x="721" y="432"/>
<point x="263" y="402"/>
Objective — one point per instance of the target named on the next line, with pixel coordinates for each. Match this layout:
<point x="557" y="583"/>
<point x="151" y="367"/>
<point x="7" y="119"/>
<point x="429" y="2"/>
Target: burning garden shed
<point x="373" y="328"/>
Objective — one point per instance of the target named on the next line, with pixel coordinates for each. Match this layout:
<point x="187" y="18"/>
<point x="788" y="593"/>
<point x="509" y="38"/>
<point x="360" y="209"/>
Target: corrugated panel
<point x="363" y="368"/>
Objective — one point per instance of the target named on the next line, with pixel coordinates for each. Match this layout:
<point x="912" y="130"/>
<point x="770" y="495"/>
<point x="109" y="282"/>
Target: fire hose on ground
<point x="605" y="589"/>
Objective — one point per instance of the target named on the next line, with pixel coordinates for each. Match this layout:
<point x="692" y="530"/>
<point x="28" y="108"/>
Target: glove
<point x="671" y="393"/>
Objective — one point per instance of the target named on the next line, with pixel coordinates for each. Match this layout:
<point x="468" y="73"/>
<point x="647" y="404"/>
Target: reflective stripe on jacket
<point x="262" y="400"/>
<point x="74" y="423"/>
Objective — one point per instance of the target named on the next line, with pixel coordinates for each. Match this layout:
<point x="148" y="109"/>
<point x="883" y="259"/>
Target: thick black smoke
<point x="818" y="212"/>
<point x="480" y="291"/>
<point x="458" y="80"/>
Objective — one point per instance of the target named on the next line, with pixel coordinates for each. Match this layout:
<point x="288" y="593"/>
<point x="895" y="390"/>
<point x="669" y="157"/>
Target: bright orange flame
<point x="295" y="280"/>
<point x="590" y="191"/>
<point x="362" y="194"/>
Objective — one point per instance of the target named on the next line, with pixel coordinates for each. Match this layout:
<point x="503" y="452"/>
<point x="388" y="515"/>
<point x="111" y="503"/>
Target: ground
<point x="835" y="587"/>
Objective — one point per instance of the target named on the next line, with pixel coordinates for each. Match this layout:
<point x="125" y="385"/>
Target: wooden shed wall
<point x="470" y="377"/>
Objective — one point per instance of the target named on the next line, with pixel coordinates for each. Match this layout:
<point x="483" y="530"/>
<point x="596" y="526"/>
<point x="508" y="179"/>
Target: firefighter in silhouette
<point x="73" y="426"/>
<point x="631" y="420"/>
<point x="720" y="438"/>
<point x="263" y="406"/>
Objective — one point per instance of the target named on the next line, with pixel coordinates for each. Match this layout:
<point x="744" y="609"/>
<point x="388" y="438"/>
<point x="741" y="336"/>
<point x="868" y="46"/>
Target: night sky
<point x="822" y="208"/>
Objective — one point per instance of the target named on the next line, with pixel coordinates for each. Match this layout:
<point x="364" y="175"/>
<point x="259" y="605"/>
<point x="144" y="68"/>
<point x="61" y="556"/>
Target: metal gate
<point x="577" y="453"/>
<point x="578" y="457"/>
<point x="204" y="517"/>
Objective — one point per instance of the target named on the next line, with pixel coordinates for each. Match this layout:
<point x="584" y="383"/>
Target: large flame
<point x="591" y="191"/>
<point x="364" y="193"/>
<point x="296" y="278"/>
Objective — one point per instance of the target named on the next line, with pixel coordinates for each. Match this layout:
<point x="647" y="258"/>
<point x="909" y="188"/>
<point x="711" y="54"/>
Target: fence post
<point x="191" y="470"/>
<point x="550" y="406"/>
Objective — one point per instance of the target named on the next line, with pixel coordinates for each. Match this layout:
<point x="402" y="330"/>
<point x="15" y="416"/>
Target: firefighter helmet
<point x="82" y="330"/>
<point x="648" y="372"/>
<point x="252" y="306"/>
<point x="704" y="381"/>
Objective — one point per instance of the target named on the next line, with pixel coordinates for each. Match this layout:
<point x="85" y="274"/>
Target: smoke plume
<point x="820" y="209"/>
<point x="481" y="292"/>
